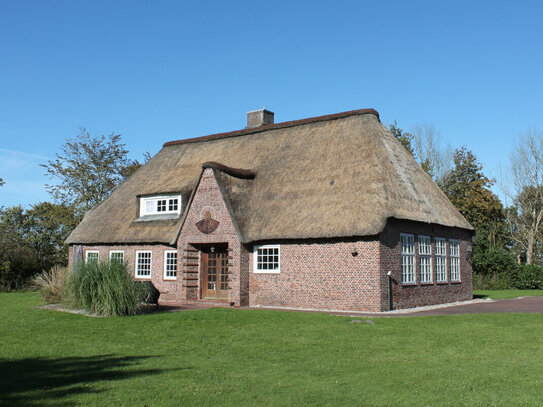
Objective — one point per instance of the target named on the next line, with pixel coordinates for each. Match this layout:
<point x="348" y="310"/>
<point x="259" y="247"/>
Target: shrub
<point x="51" y="284"/>
<point x="149" y="292"/>
<point x="105" y="288"/>
<point x="490" y="262"/>
<point x="528" y="277"/>
<point x="17" y="265"/>
<point x="498" y="281"/>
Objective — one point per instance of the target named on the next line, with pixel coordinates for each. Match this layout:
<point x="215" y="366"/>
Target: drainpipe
<point x="390" y="301"/>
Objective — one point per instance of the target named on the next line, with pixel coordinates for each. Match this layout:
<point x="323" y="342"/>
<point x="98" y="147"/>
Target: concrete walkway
<point x="532" y="305"/>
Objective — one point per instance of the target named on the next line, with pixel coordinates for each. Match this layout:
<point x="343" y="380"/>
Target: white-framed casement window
<point x="170" y="264"/>
<point x="116" y="255"/>
<point x="425" y="259"/>
<point x="92" y="255"/>
<point x="143" y="263"/>
<point x="267" y="259"/>
<point x="454" y="258"/>
<point x="441" y="259"/>
<point x="160" y="205"/>
<point x="408" y="258"/>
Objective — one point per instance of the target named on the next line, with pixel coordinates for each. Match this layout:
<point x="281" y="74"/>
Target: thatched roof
<point x="340" y="175"/>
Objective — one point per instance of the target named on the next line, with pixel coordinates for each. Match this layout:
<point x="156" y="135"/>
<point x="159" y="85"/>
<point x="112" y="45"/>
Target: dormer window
<point x="160" y="205"/>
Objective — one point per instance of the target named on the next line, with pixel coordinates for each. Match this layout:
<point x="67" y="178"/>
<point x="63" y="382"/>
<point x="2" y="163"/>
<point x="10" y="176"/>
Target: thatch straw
<point x="336" y="176"/>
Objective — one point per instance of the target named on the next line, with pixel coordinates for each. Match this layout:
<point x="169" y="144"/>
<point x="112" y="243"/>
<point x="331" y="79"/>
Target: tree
<point x="48" y="225"/>
<point x="468" y="189"/>
<point x="134" y="165"/>
<point x="526" y="191"/>
<point x="403" y="136"/>
<point x="2" y="182"/>
<point x="89" y="169"/>
<point x="431" y="155"/>
<point x="18" y="261"/>
<point x="32" y="241"/>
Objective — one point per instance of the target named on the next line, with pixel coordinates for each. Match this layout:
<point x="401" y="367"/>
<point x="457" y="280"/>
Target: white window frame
<point x="454" y="260"/>
<point x="440" y="244"/>
<point x="92" y="251"/>
<point x="154" y="200"/>
<point x="257" y="270"/>
<point x="166" y="277"/>
<point x="425" y="259"/>
<point x="408" y="262"/>
<point x="138" y="252"/>
<point x="111" y="252"/>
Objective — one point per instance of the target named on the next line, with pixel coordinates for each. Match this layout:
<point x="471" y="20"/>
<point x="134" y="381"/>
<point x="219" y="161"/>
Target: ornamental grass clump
<point x="105" y="288"/>
<point x="51" y="284"/>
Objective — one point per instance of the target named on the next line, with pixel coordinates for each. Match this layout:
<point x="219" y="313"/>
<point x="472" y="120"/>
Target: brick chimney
<point x="258" y="118"/>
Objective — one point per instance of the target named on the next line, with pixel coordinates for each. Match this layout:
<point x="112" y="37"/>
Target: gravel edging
<point x="60" y="308"/>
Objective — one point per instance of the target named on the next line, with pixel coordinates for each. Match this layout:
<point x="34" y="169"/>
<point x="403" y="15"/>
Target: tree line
<point x="87" y="169"/>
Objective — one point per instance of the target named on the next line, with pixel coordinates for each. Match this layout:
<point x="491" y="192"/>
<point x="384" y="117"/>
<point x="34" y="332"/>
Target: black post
<point x="390" y="300"/>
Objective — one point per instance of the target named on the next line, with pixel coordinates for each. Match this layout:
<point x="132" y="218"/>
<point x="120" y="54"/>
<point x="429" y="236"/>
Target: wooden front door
<point x="215" y="273"/>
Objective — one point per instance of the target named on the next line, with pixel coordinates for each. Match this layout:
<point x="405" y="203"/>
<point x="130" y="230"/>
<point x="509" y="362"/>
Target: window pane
<point x="267" y="258"/>
<point x="143" y="266"/>
<point x="172" y="204"/>
<point x="92" y="256"/>
<point x="161" y="205"/>
<point x="117" y="256"/>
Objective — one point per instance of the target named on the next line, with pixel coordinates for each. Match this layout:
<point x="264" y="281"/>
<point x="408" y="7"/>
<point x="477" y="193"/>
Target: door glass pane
<point x="212" y="271"/>
<point x="224" y="272"/>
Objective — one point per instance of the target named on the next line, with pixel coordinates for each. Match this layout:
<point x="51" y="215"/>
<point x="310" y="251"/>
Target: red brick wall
<point x="321" y="275"/>
<point x="157" y="262"/>
<point x="405" y="296"/>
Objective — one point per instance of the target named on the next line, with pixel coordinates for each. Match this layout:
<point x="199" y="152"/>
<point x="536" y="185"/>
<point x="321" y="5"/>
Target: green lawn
<point x="241" y="357"/>
<point x="497" y="294"/>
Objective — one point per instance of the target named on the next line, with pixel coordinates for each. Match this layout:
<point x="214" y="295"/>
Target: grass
<point x="498" y="294"/>
<point x="104" y="288"/>
<point x="251" y="358"/>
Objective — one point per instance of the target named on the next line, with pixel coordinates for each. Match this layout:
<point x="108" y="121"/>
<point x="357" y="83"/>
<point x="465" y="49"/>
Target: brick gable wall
<point x="208" y="198"/>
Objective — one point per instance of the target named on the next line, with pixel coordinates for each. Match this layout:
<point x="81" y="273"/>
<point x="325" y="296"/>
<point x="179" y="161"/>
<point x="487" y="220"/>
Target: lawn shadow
<point x="478" y="296"/>
<point x="42" y="381"/>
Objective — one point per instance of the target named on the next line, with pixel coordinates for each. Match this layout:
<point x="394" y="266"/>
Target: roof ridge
<point x="274" y="126"/>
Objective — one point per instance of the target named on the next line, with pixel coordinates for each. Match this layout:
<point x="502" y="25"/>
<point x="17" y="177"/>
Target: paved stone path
<point x="532" y="305"/>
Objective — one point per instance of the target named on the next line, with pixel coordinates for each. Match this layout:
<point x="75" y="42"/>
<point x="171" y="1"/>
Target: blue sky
<point x="159" y="71"/>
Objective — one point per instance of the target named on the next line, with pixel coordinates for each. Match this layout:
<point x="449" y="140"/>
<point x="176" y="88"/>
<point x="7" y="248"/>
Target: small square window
<point x="116" y="255"/>
<point x="267" y="259"/>
<point x="92" y="256"/>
